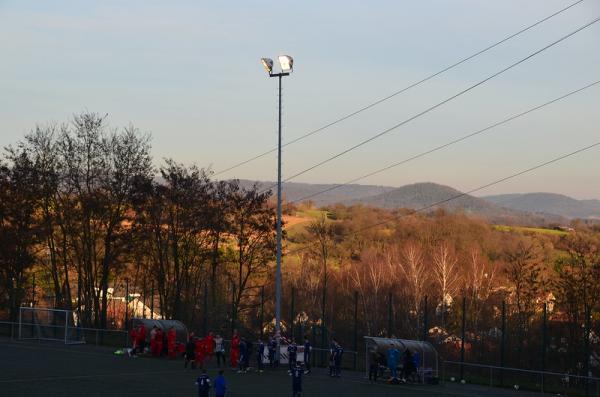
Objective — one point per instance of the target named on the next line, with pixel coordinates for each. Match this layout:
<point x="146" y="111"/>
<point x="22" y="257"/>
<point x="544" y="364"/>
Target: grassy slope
<point x="525" y="230"/>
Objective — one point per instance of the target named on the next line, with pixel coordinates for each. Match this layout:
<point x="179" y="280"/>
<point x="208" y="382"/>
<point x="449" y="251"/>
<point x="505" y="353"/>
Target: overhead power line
<point x="457" y="196"/>
<point x="381" y="100"/>
<point x="439" y="104"/>
<point x="447" y="144"/>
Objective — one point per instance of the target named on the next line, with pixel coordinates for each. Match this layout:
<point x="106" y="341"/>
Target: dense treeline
<point x="84" y="210"/>
<point x="425" y="264"/>
<point x="83" y="207"/>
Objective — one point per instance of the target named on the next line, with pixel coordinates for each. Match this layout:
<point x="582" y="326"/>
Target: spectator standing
<point x="190" y="352"/>
<point x="219" y="350"/>
<point x="243" y="349"/>
<point x="307" y="353"/>
<point x="337" y="358"/>
<point x="249" y="348"/>
<point x="292" y="350"/>
<point x="260" y="355"/>
<point x="373" y="368"/>
<point x="272" y="347"/>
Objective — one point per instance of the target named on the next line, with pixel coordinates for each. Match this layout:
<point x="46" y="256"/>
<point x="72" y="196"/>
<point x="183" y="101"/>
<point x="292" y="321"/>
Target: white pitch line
<point x="76" y="377"/>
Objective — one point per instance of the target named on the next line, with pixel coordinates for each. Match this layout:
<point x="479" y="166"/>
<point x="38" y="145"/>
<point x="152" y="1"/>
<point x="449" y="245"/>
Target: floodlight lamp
<point x="267" y="64"/>
<point x="287" y="63"/>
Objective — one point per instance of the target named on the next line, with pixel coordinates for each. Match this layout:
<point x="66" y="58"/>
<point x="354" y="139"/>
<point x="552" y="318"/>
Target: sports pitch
<point x="48" y="369"/>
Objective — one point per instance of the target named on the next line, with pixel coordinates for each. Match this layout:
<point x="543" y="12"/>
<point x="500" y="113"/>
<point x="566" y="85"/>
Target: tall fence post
<point x="126" y="303"/>
<point x="205" y="309"/>
<point x="152" y="301"/>
<point x="33" y="291"/>
<point x="544" y="341"/>
<point x="232" y="308"/>
<point x="262" y="311"/>
<point x="314" y="344"/>
<point x="355" y="329"/>
<point x="292" y="314"/>
<point x="425" y="319"/>
<point x="462" y="339"/>
<point x="144" y="296"/>
<point x="389" y="332"/>
<point x="502" y="342"/>
<point x="323" y="312"/>
<point x="79" y="294"/>
<point x="586" y="348"/>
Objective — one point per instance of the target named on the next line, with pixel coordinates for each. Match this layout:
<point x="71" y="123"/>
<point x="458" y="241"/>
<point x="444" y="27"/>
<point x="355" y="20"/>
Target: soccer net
<point x="49" y="324"/>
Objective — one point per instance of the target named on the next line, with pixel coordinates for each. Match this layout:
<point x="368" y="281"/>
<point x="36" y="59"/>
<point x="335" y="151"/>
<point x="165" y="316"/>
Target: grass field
<point x="48" y="369"/>
<point x="524" y="230"/>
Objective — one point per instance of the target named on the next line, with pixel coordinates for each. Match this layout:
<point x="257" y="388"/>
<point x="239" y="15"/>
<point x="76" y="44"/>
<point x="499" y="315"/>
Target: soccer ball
<point x="452" y="379"/>
<point x="462" y="381"/>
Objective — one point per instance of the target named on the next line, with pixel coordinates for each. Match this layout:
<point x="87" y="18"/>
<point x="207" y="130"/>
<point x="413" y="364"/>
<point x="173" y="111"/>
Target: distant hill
<point x="528" y="208"/>
<point x="293" y="191"/>
<point x="425" y="195"/>
<point x="548" y="203"/>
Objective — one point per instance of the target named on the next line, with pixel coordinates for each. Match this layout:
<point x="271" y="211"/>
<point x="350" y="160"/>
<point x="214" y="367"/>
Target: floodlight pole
<point x="279" y="213"/>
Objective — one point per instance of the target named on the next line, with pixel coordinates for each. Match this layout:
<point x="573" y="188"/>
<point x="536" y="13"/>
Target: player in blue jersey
<point x="292" y="350"/>
<point x="203" y="383"/>
<point x="297" y="379"/>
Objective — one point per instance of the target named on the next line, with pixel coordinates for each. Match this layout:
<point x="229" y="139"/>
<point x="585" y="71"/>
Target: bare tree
<point x="446" y="276"/>
<point x="480" y="279"/>
<point x="415" y="273"/>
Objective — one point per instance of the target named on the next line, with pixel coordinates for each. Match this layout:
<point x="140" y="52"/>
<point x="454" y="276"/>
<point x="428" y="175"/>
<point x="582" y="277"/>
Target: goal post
<point x="49" y="324"/>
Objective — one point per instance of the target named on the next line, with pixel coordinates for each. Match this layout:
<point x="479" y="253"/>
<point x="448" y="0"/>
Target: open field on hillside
<point x="523" y="229"/>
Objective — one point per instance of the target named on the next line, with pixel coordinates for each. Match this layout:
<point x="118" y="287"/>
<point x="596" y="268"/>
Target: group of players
<point x="197" y="351"/>
<point x="406" y="361"/>
<point x="161" y="343"/>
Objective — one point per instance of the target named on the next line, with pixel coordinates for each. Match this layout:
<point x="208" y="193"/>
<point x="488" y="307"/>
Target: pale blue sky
<point x="189" y="73"/>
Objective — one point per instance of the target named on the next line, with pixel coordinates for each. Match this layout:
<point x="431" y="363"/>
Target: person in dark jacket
<point x="249" y="348"/>
<point x="272" y="348"/>
<point x="292" y="350"/>
<point x="190" y="352"/>
<point x="307" y="352"/>
<point x="260" y="355"/>
<point x="243" y="349"/>
<point x="220" y="385"/>
<point x="337" y="358"/>
<point x="409" y="370"/>
<point x="203" y="383"/>
<point x="373" y="368"/>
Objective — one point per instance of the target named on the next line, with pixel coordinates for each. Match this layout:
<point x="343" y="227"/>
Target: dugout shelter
<point x="427" y="364"/>
<point x="180" y="329"/>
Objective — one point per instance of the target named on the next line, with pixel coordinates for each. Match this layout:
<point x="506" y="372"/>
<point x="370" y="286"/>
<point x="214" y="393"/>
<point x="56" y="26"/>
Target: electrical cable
<point x="447" y="144"/>
<point x="439" y="104"/>
<point x="457" y="196"/>
<point x="381" y="100"/>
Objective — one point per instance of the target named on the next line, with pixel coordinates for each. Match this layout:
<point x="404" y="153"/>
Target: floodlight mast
<point x="286" y="62"/>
